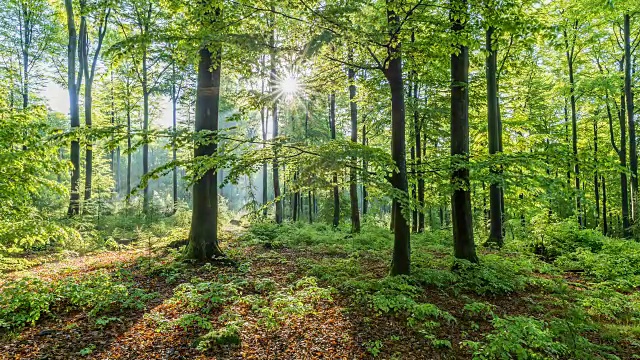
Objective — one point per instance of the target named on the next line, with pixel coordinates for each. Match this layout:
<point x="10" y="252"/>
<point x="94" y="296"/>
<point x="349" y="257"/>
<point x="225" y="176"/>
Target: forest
<point x="319" y="179"/>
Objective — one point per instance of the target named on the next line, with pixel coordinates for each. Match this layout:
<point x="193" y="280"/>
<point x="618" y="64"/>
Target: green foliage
<point x="99" y="293"/>
<point x="229" y="334"/>
<point x="495" y="275"/>
<point x="374" y="347"/>
<point x="204" y="296"/>
<point x="518" y="337"/>
<point x="23" y="302"/>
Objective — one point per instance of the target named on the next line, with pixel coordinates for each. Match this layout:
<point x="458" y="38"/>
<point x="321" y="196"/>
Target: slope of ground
<point x="307" y="292"/>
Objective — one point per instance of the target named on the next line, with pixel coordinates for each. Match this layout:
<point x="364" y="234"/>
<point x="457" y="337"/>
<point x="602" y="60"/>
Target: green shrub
<point x="495" y="275"/>
<point x="99" y="293"/>
<point x="229" y="334"/>
<point x="23" y="302"/>
<point x="518" y="337"/>
<point x="204" y="296"/>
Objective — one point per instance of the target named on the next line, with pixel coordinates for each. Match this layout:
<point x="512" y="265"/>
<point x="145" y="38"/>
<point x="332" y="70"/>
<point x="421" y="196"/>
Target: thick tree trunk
<point x="353" y="186"/>
<point x="495" y="212"/>
<point x="401" y="263"/>
<point x="628" y="90"/>
<point x="203" y="236"/>
<point x="74" y="200"/>
<point x="464" y="246"/>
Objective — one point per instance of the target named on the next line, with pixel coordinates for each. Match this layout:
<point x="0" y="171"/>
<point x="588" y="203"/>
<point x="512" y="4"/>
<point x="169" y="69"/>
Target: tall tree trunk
<point x="203" y="236"/>
<point x="353" y="186"/>
<point x="294" y="207"/>
<point x="570" y="53"/>
<point x="605" y="224"/>
<point x="310" y="208"/>
<point x="276" y="175"/>
<point x="74" y="200"/>
<point x="464" y="246"/>
<point x="418" y="138"/>
<point x="624" y="191"/>
<point x="495" y="212"/>
<point x="401" y="264"/>
<point x="265" y="171"/>
<point x="628" y="90"/>
<point x="174" y="126"/>
<point x="596" y="176"/>
<point x="365" y="195"/>
<point x="129" y="155"/>
<point x="145" y="129"/>
<point x="336" y="190"/>
<point x="414" y="189"/>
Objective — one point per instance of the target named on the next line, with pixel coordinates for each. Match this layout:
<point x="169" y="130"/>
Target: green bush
<point x="23" y="302"/>
<point x="518" y="337"/>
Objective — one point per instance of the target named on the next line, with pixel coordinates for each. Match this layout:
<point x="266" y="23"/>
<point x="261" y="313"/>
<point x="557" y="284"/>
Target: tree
<point x="89" y="74"/>
<point x="495" y="202"/>
<point x="203" y="236"/>
<point x="353" y="185"/>
<point x="464" y="246"/>
<point x="401" y="263"/>
<point x="74" y="112"/>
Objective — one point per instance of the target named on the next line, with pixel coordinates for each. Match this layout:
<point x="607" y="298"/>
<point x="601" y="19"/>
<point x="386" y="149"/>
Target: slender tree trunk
<point x="596" y="176"/>
<point x="414" y="191"/>
<point x="495" y="212"/>
<point x="365" y="195"/>
<point x="570" y="47"/>
<point x="145" y="129"/>
<point x="623" y="164"/>
<point x="74" y="201"/>
<point x="401" y="264"/>
<point x="310" y="208"/>
<point x="336" y="190"/>
<point x="203" y="237"/>
<point x="605" y="225"/>
<point x="628" y="90"/>
<point x="464" y="246"/>
<point x="418" y="132"/>
<point x="353" y="186"/>
<point x="276" y="175"/>
<point x="294" y="207"/>
<point x="129" y="155"/>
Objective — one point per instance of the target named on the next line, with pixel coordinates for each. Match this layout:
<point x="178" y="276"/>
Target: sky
<point x="58" y="99"/>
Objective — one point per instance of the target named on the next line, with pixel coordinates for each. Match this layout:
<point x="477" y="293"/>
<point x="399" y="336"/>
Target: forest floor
<point x="305" y="292"/>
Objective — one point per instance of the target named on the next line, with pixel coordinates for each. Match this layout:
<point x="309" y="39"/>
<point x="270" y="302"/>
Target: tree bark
<point x="353" y="185"/>
<point x="628" y="90"/>
<point x="464" y="246"/>
<point x="336" y="190"/>
<point x="203" y="236"/>
<point x="570" y="47"/>
<point x="418" y="138"/>
<point x="74" y="200"/>
<point x="495" y="208"/>
<point x="276" y="175"/>
<point x="365" y="195"/>
<point x="401" y="263"/>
